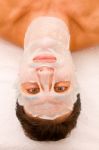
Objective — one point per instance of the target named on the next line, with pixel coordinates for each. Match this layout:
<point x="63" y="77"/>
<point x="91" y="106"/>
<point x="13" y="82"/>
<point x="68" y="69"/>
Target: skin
<point x="81" y="16"/>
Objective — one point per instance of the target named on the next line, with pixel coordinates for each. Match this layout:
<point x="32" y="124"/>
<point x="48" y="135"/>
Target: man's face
<point x="47" y="86"/>
<point x="47" y="83"/>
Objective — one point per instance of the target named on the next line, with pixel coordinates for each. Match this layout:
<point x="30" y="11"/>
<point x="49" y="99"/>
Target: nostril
<point x="45" y="77"/>
<point x="44" y="68"/>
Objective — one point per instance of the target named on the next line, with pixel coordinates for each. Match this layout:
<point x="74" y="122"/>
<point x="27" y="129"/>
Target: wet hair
<point x="48" y="130"/>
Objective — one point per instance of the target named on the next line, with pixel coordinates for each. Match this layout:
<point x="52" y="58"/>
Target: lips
<point x="45" y="58"/>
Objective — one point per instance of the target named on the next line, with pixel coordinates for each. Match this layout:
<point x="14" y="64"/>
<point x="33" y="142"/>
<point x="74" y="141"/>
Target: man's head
<point x="48" y="130"/>
<point x="47" y="84"/>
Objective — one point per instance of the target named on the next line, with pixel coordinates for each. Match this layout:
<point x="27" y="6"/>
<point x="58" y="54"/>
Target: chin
<point x="48" y="130"/>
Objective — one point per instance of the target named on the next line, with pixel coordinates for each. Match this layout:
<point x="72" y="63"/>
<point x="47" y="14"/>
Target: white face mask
<point x="47" y="83"/>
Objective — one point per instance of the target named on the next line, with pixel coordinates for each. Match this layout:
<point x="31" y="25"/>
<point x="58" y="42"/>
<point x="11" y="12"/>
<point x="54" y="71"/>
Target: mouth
<point x="45" y="58"/>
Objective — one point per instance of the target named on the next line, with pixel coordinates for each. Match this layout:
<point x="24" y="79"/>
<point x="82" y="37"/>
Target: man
<point x="48" y="103"/>
<point x="44" y="92"/>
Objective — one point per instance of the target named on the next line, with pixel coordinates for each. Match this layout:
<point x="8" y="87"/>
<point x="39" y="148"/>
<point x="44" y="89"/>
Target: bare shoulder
<point x="83" y="17"/>
<point x="15" y="15"/>
<point x="84" y="23"/>
<point x="12" y="19"/>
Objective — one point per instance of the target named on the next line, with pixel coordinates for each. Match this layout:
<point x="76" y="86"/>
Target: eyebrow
<point x="31" y="97"/>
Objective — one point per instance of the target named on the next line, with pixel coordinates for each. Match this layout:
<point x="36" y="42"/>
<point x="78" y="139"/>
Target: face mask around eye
<point x="49" y="105"/>
<point x="47" y="61"/>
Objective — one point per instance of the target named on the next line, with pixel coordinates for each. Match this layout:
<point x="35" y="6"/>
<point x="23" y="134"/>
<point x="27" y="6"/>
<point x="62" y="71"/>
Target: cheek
<point x="27" y="75"/>
<point x="62" y="75"/>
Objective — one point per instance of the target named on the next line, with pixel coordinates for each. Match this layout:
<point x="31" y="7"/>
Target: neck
<point x="51" y="27"/>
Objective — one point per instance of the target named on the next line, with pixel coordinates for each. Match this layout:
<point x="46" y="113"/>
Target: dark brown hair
<point x="48" y="130"/>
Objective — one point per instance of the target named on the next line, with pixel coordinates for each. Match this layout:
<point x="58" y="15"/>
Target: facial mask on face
<point x="47" y="83"/>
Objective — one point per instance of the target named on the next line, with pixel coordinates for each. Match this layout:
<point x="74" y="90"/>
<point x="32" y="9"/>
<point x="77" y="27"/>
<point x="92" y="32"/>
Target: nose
<point x="45" y="76"/>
